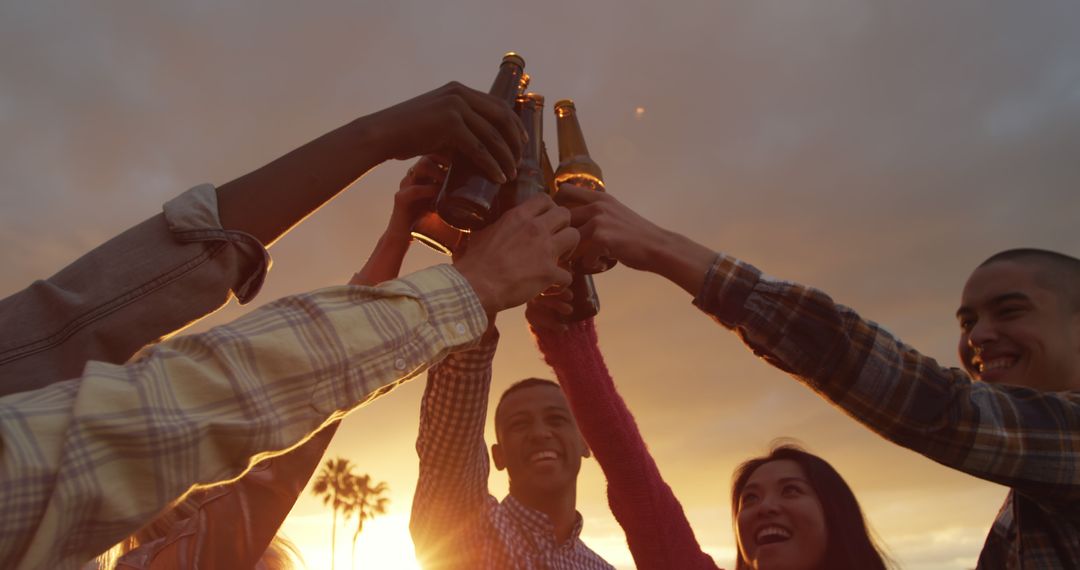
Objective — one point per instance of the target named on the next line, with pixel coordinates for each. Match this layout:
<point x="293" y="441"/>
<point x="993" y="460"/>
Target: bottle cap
<point x="511" y="57"/>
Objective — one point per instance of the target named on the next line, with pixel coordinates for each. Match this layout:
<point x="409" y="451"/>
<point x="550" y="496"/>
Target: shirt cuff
<point x="727" y="286"/>
<point x="452" y="306"/>
<point x="193" y="217"/>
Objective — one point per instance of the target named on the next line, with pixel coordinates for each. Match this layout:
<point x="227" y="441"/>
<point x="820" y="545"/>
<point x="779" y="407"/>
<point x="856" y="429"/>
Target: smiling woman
<point x="793" y="510"/>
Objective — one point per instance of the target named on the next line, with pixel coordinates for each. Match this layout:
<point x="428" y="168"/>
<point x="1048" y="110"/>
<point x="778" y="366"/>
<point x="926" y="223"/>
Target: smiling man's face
<point x="538" y="441"/>
<point x="1015" y="330"/>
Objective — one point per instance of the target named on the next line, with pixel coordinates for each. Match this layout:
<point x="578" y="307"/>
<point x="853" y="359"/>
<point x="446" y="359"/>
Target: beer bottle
<point x="578" y="168"/>
<point x="430" y="230"/>
<point x="586" y="301"/>
<point x="467" y="197"/>
<point x="530" y="179"/>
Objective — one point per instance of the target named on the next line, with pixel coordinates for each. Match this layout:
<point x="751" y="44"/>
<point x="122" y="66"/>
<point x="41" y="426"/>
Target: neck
<point x="560" y="507"/>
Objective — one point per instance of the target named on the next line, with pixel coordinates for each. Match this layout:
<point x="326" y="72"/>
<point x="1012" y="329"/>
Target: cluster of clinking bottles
<point x="469" y="201"/>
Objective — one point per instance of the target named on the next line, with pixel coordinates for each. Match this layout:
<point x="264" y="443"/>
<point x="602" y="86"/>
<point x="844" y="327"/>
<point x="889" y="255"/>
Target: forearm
<point x="680" y="259"/>
<point x="96" y="457"/>
<point x="657" y="531"/>
<point x="385" y="260"/>
<point x="269" y="201"/>
<point x="451" y="489"/>
<point x="1012" y="436"/>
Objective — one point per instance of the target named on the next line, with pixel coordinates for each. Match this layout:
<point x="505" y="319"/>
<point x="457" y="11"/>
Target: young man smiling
<point x="1020" y="319"/>
<point x="456" y="522"/>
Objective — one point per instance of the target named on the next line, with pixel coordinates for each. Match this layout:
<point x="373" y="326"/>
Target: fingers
<point x="426" y="172"/>
<point x="571" y="193"/>
<point x="546" y="312"/>
<point x="505" y="151"/>
<point x="475" y="151"/>
<point x="501" y="116"/>
<point x="564" y="241"/>
<point x="554" y="218"/>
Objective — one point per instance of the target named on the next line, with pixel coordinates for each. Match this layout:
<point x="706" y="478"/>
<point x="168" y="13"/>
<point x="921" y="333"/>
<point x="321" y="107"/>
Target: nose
<point x="982" y="332"/>
<point x="539" y="431"/>
<point x="769" y="505"/>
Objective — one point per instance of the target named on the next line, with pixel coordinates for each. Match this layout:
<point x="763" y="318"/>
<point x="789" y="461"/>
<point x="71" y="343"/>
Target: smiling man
<point x="456" y="522"/>
<point x="1020" y="320"/>
<point x="1012" y="418"/>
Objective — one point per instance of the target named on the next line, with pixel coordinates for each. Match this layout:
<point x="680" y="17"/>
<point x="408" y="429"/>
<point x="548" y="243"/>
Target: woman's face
<point x="780" y="523"/>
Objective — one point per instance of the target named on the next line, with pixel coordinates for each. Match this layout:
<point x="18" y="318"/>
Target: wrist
<point x="372" y="136"/>
<point x="485" y="291"/>
<point x="681" y="260"/>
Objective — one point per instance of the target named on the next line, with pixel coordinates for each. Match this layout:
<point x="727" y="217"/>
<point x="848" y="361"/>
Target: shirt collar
<point x="538" y="522"/>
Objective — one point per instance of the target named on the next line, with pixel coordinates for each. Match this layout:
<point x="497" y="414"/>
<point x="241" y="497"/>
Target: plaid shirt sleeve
<point x="452" y="489"/>
<point x="1022" y="438"/>
<point x="85" y="462"/>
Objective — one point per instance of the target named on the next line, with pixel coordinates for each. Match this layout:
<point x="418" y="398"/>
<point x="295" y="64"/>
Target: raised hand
<point x="416" y="192"/>
<point x="548" y="312"/>
<point x="454" y="119"/>
<point x="609" y="226"/>
<point x="517" y="257"/>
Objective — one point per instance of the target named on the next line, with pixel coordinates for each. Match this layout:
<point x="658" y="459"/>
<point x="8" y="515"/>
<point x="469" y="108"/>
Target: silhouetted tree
<point x="335" y="484"/>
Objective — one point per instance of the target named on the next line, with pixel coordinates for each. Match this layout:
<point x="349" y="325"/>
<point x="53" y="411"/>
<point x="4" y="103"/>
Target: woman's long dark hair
<point x="850" y="545"/>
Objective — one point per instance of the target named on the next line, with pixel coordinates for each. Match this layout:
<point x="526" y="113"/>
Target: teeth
<point x="996" y="364"/>
<point x="771" y="532"/>
<point x="542" y="455"/>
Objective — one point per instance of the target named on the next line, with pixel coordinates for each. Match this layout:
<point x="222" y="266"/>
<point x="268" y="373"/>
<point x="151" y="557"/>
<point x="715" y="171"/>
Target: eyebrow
<point x="780" y="480"/>
<point x="1003" y="298"/>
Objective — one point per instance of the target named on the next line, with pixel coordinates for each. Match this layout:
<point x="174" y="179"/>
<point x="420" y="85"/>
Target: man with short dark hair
<point x="456" y="522"/>
<point x="1018" y="425"/>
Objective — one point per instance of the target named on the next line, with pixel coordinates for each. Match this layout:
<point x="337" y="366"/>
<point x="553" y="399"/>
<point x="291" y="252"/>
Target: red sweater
<point x="656" y="528"/>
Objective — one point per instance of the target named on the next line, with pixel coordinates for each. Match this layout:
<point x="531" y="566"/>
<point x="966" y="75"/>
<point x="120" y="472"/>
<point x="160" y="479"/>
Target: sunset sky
<point x="878" y="151"/>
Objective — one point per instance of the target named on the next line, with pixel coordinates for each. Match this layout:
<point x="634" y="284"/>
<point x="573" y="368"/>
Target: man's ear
<point x="497" y="457"/>
<point x="585" y="451"/>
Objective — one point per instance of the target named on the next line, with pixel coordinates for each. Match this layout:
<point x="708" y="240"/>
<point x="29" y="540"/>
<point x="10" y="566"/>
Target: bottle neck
<point x="532" y="118"/>
<point x="508" y="81"/>
<point x="571" y="139"/>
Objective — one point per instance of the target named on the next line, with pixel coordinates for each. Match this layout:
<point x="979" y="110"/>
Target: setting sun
<point x="385" y="542"/>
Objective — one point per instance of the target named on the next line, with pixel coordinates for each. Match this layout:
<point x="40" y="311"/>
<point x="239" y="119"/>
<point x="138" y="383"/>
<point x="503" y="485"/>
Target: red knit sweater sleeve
<point x="656" y="528"/>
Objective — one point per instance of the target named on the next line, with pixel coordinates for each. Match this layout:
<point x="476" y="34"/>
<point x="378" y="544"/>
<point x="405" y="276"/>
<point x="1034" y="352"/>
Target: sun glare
<point x="385" y="542"/>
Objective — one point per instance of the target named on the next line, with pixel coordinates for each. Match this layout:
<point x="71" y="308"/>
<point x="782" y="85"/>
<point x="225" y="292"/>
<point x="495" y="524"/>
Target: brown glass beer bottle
<point x="467" y="197"/>
<point x="530" y="179"/>
<point x="430" y="230"/>
<point x="578" y="168"/>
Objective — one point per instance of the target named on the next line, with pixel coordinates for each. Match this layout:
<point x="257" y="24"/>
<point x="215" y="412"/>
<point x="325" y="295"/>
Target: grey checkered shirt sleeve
<point x="85" y="462"/>
<point x="452" y="504"/>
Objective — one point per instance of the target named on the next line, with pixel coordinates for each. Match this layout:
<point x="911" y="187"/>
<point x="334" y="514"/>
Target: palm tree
<point x="367" y="502"/>
<point x="335" y="485"/>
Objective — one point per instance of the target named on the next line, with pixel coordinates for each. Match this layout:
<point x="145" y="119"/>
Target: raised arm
<point x="452" y="503"/>
<point x="1013" y="436"/>
<point x="454" y="118"/>
<point x="416" y="190"/>
<point x="85" y="462"/>
<point x="657" y="531"/>
<point x="208" y="245"/>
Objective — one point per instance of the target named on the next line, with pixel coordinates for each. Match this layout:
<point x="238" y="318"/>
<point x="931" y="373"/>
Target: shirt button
<point x="399" y="364"/>
<point x="460" y="328"/>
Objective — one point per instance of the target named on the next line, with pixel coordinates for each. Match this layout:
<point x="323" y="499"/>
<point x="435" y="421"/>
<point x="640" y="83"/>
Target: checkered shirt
<point x="1025" y="439"/>
<point x="456" y="522"/>
<point x="86" y="462"/>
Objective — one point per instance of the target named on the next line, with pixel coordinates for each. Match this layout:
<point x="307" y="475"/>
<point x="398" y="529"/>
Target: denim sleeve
<point x="146" y="283"/>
